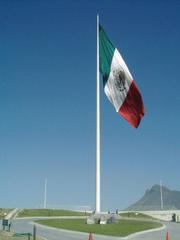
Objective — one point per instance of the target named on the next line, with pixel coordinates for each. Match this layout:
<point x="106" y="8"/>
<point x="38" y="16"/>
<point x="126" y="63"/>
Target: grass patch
<point x="4" y="235"/>
<point x="4" y="211"/>
<point x="48" y="213"/>
<point x="122" y="229"/>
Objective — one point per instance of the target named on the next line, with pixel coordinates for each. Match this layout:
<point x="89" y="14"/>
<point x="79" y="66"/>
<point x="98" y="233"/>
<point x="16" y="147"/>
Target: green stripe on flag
<point x="106" y="52"/>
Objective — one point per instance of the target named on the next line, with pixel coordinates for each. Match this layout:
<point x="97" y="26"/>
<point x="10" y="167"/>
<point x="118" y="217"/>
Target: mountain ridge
<point x="151" y="200"/>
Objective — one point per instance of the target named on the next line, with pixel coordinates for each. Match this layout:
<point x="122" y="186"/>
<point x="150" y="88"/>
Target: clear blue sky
<point x="47" y="101"/>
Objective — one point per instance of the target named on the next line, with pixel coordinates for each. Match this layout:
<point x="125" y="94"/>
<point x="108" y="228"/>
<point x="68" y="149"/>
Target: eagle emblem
<point x="119" y="78"/>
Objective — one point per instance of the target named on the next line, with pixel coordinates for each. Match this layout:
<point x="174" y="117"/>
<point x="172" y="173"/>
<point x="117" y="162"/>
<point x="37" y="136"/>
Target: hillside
<point x="152" y="200"/>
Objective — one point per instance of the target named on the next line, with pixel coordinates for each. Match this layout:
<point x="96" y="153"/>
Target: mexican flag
<point x="119" y="85"/>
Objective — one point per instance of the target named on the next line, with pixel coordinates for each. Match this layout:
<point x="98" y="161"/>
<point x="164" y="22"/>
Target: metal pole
<point x="29" y="236"/>
<point x="34" y="232"/>
<point x="97" y="127"/>
<point x="45" y="193"/>
<point x="161" y="195"/>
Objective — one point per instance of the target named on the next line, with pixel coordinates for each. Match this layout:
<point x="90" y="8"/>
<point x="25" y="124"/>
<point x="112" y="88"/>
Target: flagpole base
<point x="103" y="218"/>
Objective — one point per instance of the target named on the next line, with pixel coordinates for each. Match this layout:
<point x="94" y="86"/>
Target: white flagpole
<point x="45" y="193"/>
<point x="97" y="127"/>
<point x="161" y="195"/>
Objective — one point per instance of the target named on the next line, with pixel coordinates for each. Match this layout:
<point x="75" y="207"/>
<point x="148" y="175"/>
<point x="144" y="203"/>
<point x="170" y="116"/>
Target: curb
<point x="103" y="236"/>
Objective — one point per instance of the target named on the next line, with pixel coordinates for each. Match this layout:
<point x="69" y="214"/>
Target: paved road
<point x="26" y="225"/>
<point x="172" y="228"/>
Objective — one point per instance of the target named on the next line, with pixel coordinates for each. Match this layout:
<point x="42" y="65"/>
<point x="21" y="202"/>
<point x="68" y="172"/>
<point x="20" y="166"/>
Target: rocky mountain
<point x="152" y="200"/>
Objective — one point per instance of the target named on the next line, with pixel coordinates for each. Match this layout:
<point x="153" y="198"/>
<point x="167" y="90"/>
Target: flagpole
<point x="97" y="126"/>
<point x="45" y="193"/>
<point x="161" y="195"/>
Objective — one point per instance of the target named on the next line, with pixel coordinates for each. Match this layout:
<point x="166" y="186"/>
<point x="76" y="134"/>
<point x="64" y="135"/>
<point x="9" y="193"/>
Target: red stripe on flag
<point x="132" y="108"/>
